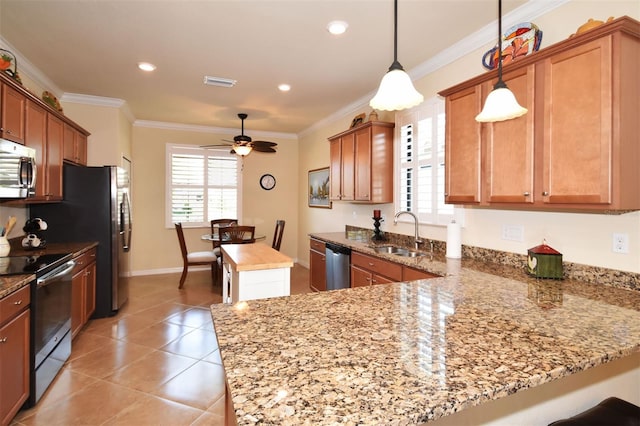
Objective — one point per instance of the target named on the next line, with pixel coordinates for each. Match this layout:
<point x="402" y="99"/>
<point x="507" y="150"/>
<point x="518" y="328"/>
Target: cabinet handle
<point x="18" y="302"/>
<point x="4" y="339"/>
<point x="371" y="264"/>
<point x="526" y="194"/>
<point x="545" y="193"/>
<point x="446" y="194"/>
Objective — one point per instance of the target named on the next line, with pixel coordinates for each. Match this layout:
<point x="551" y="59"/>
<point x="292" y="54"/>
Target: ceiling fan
<point x="242" y="144"/>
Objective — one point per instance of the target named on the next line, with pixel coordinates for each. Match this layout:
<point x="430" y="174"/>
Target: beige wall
<point x="582" y="238"/>
<point x="155" y="247"/>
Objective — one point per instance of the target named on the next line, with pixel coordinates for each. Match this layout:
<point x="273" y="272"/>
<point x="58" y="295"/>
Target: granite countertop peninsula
<point x="412" y="352"/>
<point x="11" y="283"/>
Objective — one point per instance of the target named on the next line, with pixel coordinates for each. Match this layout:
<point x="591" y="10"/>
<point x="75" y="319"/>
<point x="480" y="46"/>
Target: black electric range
<point x="36" y="264"/>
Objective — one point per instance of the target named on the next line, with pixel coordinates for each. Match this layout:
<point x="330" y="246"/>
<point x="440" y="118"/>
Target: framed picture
<point x="319" y="188"/>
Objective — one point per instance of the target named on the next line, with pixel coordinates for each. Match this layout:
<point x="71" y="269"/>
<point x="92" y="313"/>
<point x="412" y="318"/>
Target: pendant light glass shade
<point x="501" y="104"/>
<point x="396" y="91"/>
<point x="242" y="150"/>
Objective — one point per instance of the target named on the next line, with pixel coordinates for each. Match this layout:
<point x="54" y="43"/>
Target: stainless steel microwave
<point x="17" y="170"/>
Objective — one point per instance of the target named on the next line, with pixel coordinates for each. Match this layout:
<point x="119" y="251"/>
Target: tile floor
<point x="155" y="363"/>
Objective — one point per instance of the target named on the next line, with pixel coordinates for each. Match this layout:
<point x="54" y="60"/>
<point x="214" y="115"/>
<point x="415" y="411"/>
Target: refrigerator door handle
<point x="125" y="227"/>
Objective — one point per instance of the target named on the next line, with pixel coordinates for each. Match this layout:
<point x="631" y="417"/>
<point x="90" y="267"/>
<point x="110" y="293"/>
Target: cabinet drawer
<point x="411" y="274"/>
<point x="84" y="259"/>
<point x="317" y="245"/>
<point x="14" y="303"/>
<point x="382" y="267"/>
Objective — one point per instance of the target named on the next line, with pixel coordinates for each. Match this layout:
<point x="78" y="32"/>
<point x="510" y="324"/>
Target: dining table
<point x="215" y="237"/>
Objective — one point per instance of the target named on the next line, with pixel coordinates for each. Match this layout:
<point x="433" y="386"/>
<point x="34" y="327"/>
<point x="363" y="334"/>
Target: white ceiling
<point x="92" y="48"/>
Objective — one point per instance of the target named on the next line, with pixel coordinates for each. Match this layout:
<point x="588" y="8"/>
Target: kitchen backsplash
<point x="575" y="271"/>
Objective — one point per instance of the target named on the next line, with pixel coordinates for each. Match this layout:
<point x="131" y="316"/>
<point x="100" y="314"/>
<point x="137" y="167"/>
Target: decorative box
<point x="544" y="262"/>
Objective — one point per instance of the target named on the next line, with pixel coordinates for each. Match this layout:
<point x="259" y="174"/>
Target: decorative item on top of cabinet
<point x="354" y="156"/>
<point x="317" y="265"/>
<point x="14" y="352"/>
<point x="553" y="158"/>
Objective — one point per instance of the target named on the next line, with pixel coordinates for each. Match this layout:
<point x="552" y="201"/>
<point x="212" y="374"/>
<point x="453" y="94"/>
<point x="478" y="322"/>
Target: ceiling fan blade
<point x="260" y="148"/>
<point x="227" y="140"/>
<point x="263" y="143"/>
<point x="214" y="146"/>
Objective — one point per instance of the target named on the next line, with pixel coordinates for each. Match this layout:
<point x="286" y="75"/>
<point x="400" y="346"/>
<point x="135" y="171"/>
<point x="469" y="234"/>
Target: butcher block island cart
<point x="476" y="346"/>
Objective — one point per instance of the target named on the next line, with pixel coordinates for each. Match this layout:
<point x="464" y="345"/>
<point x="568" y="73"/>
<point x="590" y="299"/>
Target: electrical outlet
<point x="513" y="232"/>
<point x="620" y="243"/>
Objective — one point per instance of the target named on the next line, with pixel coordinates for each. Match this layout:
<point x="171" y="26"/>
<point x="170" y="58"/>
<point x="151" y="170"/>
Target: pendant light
<point x="501" y="104"/>
<point x="396" y="90"/>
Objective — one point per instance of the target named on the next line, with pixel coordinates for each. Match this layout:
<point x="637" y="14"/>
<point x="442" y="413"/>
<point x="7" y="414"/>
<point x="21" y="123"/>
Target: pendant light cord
<point x="395" y="65"/>
<point x="500" y="84"/>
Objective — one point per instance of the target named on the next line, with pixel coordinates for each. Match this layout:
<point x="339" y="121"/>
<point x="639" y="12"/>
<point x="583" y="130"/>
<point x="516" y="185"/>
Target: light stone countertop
<point x="410" y="352"/>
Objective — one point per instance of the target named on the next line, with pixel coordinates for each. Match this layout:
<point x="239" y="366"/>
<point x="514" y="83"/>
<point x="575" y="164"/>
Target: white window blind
<point x="420" y="135"/>
<point x="202" y="184"/>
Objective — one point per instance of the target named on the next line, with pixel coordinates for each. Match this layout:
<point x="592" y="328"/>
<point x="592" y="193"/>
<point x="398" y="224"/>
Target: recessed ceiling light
<point x="337" y="27"/>
<point x="146" y="66"/>
<point x="284" y="87"/>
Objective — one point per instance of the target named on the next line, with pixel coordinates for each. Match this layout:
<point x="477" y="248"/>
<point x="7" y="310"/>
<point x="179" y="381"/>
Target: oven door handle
<point x="56" y="274"/>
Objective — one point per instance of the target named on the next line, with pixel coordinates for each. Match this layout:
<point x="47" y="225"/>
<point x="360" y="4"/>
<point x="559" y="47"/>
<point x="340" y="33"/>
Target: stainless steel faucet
<point x="418" y="240"/>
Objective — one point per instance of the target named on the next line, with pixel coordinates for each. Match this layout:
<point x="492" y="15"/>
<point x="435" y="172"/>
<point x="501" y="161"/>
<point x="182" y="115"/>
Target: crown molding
<point x="100" y="101"/>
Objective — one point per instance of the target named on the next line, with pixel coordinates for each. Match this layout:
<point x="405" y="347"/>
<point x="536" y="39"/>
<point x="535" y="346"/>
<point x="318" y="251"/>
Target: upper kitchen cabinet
<point x="44" y="133"/>
<point x="75" y="145"/>
<point x="576" y="148"/>
<point x="361" y="163"/>
<point x="12" y="110"/>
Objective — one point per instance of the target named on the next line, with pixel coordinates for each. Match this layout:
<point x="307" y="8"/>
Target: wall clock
<point x="267" y="181"/>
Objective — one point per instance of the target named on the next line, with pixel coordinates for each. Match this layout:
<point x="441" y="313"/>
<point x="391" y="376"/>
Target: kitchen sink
<point x="398" y="251"/>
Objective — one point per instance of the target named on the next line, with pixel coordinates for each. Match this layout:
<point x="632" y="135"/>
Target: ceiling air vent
<point x="219" y="81"/>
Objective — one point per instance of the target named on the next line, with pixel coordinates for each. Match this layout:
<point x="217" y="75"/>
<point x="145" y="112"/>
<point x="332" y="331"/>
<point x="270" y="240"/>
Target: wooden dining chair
<point x="237" y="234"/>
<point x="277" y="235"/>
<point x="195" y="258"/>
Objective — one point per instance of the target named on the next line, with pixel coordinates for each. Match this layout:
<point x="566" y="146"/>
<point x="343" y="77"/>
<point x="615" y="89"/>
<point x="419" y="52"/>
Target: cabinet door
<point x="577" y="125"/>
<point x="13" y="114"/>
<point x="335" y="169"/>
<point x="360" y="277"/>
<point x="508" y="146"/>
<point x="14" y="366"/>
<point x="36" y="138"/>
<point x="70" y="135"/>
<point x="89" y="291"/>
<point x="55" y="141"/>
<point x="362" y="191"/>
<point x="462" y="149"/>
<point x="379" y="279"/>
<point x="81" y="148"/>
<point x="410" y="274"/>
<point x="77" y="302"/>
<point x="348" y="148"/>
<point x="317" y="271"/>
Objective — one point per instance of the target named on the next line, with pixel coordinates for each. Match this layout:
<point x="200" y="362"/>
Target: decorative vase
<point x="373" y="116"/>
<point x="5" y="247"/>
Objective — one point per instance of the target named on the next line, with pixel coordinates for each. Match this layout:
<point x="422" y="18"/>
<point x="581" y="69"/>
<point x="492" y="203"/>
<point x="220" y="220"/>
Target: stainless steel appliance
<point x="17" y="170"/>
<point x="50" y="315"/>
<point x="95" y="208"/>
<point x="338" y="259"/>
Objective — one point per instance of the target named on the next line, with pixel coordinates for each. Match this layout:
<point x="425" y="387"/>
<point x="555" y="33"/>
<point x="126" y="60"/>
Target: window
<point x="202" y="184"/>
<point x="420" y="163"/>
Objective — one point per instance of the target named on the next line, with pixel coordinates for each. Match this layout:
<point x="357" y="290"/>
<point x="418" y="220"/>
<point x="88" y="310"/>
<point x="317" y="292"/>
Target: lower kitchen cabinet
<point x="83" y="290"/>
<point x="14" y="353"/>
<point x="411" y="274"/>
<point x="318" y="265"/>
<point x="367" y="270"/>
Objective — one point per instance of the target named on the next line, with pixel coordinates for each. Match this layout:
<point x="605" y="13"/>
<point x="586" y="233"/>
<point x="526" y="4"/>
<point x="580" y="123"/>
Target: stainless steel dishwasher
<point x="338" y="262"/>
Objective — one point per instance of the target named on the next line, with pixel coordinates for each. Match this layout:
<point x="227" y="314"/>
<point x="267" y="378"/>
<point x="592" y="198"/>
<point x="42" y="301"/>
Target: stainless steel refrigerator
<point x="95" y="208"/>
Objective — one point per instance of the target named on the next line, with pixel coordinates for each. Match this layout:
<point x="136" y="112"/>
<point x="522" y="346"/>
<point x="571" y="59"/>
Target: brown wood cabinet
<point x="12" y="110"/>
<point x="75" y="145"/>
<point x="318" y="265"/>
<point x="412" y="274"/>
<point x="44" y="133"/>
<point x="367" y="270"/>
<point x="576" y="148"/>
<point x="14" y="353"/>
<point x="83" y="290"/>
<point x="361" y="163"/>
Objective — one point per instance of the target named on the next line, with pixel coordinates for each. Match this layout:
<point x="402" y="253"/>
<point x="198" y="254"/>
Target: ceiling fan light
<point x="396" y="92"/>
<point x="242" y="150"/>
